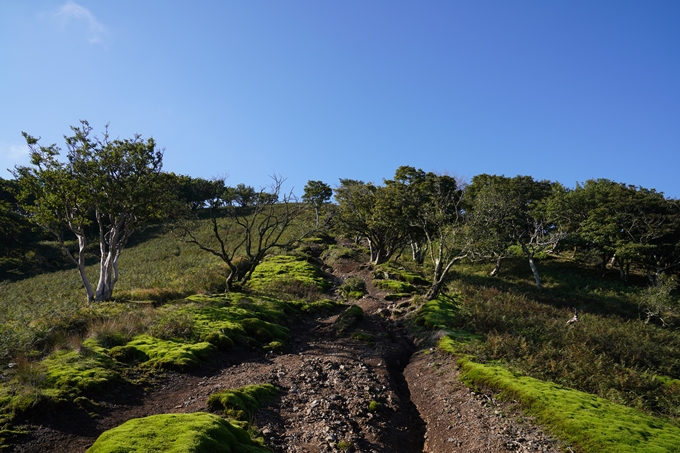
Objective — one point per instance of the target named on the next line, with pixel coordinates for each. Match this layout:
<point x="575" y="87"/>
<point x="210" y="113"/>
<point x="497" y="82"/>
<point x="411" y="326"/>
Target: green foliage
<point x="373" y="406"/>
<point x="242" y="235"/>
<point x="609" y="352"/>
<point x="317" y="193"/>
<point x="349" y="318"/>
<point x="591" y="422"/>
<point x="241" y="403"/>
<point x="117" y="182"/>
<point x="658" y="302"/>
<point x="176" y="433"/>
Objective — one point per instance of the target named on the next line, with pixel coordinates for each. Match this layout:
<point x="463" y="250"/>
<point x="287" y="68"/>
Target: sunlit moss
<point x="176" y="433"/>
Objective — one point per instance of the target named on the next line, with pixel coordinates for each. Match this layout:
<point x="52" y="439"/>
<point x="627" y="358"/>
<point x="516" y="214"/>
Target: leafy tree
<point x="371" y="212"/>
<point x="506" y="211"/>
<point x="624" y="224"/>
<point x="192" y="192"/>
<point x="116" y="182"/>
<point x="242" y="235"/>
<point x="431" y="206"/>
<point x="16" y="232"/>
<point x="317" y="193"/>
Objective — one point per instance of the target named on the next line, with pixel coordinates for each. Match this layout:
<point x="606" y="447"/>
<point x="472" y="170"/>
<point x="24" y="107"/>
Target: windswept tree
<point x="507" y="211"/>
<point x="242" y="235"/>
<point x="317" y="193"/>
<point x="624" y="224"/>
<point x="432" y="208"/>
<point x="371" y="212"/>
<point x="115" y="182"/>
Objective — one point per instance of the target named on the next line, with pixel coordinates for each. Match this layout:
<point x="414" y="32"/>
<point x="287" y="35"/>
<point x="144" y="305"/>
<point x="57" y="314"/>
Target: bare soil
<point x="386" y="392"/>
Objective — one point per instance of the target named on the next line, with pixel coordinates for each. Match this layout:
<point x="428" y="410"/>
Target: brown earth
<point x="387" y="392"/>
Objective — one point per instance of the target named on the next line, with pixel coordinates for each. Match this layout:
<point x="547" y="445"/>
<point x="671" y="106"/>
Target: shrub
<point x="353" y="288"/>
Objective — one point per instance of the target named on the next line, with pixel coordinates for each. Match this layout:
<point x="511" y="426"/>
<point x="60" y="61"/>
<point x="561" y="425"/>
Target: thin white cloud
<point x="73" y="11"/>
<point x="11" y="155"/>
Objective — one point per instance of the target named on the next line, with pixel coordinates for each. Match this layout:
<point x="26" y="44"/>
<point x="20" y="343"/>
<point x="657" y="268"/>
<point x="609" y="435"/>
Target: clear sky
<point x="559" y="90"/>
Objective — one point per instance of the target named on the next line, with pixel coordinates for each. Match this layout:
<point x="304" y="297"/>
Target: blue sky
<point x="322" y="90"/>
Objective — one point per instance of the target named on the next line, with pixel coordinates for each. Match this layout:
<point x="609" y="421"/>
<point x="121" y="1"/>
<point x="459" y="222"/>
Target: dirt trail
<point x="379" y="394"/>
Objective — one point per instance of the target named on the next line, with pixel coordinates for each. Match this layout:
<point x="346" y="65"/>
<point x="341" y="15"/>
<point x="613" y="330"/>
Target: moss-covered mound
<point x="349" y="318"/>
<point x="176" y="433"/>
<point x="393" y="271"/>
<point x="287" y="274"/>
<point x="241" y="403"/>
<point x="394" y="286"/>
<point x="170" y="353"/>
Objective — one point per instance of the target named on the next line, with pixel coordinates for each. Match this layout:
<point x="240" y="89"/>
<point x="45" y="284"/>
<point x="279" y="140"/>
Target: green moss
<point x="334" y="253"/>
<point x="172" y="354"/>
<point x="594" y="423"/>
<point x="316" y="306"/>
<point x="264" y="331"/>
<point x="220" y="340"/>
<point x="241" y="403"/>
<point x="393" y="271"/>
<point x="128" y="354"/>
<point x="394" y="286"/>
<point x="176" y="433"/>
<point x="438" y="313"/>
<point x="275" y="346"/>
<point x="276" y="271"/>
<point x="71" y="373"/>
<point x="349" y="318"/>
<point x="353" y="288"/>
<point x="344" y="445"/>
<point x="363" y="336"/>
<point x="373" y="406"/>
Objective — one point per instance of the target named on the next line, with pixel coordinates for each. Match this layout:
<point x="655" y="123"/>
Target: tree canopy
<point x="113" y="183"/>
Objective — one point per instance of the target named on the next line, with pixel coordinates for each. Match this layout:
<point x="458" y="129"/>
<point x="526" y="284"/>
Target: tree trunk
<point x="534" y="270"/>
<point x="82" y="243"/>
<point x="497" y="269"/>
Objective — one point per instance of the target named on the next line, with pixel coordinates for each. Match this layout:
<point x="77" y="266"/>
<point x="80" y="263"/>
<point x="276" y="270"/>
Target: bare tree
<point x="243" y="235"/>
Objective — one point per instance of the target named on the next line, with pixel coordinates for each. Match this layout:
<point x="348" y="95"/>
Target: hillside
<point x="358" y="360"/>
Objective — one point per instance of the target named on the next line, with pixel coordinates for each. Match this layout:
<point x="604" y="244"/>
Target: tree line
<point x="108" y="189"/>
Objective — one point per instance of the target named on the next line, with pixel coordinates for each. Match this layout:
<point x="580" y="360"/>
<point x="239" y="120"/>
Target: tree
<point x="116" y="182"/>
<point x="624" y="224"/>
<point x="242" y="235"/>
<point x="506" y="211"/>
<point x="431" y="206"/>
<point x="317" y="193"/>
<point x="371" y="212"/>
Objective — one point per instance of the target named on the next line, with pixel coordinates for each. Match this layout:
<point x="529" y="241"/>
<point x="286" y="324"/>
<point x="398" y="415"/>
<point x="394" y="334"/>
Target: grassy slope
<point x="607" y="383"/>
